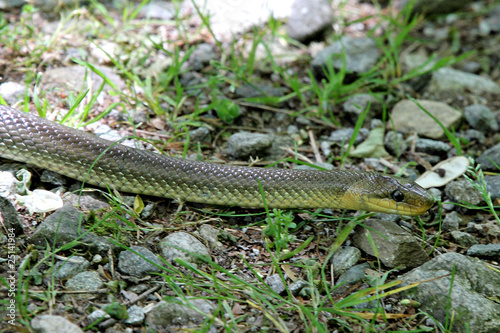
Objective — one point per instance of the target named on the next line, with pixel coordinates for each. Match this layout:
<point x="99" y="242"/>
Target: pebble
<point x="136" y="264"/>
<point x="54" y="324"/>
<point x="486" y="251"/>
<point x="88" y="280"/>
<point x="136" y="315"/>
<point x="309" y="20"/>
<point x="201" y="56"/>
<point x="451" y="222"/>
<point x="472" y="136"/>
<point x="178" y="244"/>
<point x="395" y="143"/>
<point x="407" y="117"/>
<point x="166" y="315"/>
<point x="481" y="118"/>
<point x="211" y="235"/>
<point x="355" y="105"/>
<point x="352" y="276"/>
<point x="361" y="54"/>
<point x="259" y="90"/>
<point x="462" y="191"/>
<point x="345" y="258"/>
<point x="490" y="159"/>
<point x="449" y="79"/>
<point x="200" y="134"/>
<point x="493" y="186"/>
<point x="275" y="283"/>
<point x="65" y="269"/>
<point x="12" y="92"/>
<point x="431" y="147"/>
<point x="245" y="144"/>
<point x="343" y="135"/>
<point x="463" y="238"/>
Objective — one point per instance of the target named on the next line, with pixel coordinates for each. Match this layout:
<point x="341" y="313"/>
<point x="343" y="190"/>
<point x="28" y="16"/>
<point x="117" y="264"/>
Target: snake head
<point x="392" y="195"/>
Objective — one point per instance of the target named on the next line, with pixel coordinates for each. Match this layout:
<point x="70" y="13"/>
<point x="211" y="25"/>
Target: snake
<point x="36" y="141"/>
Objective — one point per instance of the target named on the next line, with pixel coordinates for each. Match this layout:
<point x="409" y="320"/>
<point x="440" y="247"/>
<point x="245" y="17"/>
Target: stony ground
<point x="378" y="89"/>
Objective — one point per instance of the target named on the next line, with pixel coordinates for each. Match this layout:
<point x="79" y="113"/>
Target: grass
<point x="284" y="251"/>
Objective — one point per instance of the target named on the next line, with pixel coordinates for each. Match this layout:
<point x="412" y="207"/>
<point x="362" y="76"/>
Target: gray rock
<point x="275" y="283"/>
<point x="481" y="118"/>
<point x="245" y="144"/>
<point x="86" y="201"/>
<point x="324" y="165"/>
<point x="463" y="239"/>
<point x="10" y="4"/>
<point x="166" y="315"/>
<point x="462" y="191"/>
<point x="431" y="7"/>
<point x="95" y="316"/>
<point x="493" y="186"/>
<point x="395" y="143"/>
<point x="211" y="235"/>
<point x="200" y="134"/>
<point x="12" y="92"/>
<point x="490" y="159"/>
<point x="72" y="78"/>
<point x="258" y="90"/>
<point x="396" y="247"/>
<point x="471" y="67"/>
<point x="345" y="258"/>
<point x="54" y="324"/>
<point x="52" y="178"/>
<point x="451" y="222"/>
<point x="357" y="104"/>
<point x="70" y="267"/>
<point x="469" y="298"/>
<point x="158" y="10"/>
<point x="431" y="147"/>
<point x="486" y="251"/>
<point x="10" y="217"/>
<point x="296" y="286"/>
<point x="65" y="226"/>
<point x="309" y="20"/>
<point x="473" y="135"/>
<point x="352" y="276"/>
<point x="184" y="246"/>
<point x="407" y="117"/>
<point x="88" y="280"/>
<point x="201" y="56"/>
<point x="343" y="135"/>
<point x="137" y="265"/>
<point x="359" y="54"/>
<point x="136" y="315"/>
<point x="493" y="19"/>
<point x="449" y="79"/>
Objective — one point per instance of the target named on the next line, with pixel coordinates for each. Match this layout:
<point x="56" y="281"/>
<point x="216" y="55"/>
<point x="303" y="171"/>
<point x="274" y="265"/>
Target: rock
<point x="463" y="191"/>
<point x="88" y="280"/>
<point x="245" y="144"/>
<point x="10" y="218"/>
<point x="85" y="201"/>
<point x="490" y="159"/>
<point x="352" y="276"/>
<point x="296" y="286"/>
<point x="451" y="222"/>
<point x="200" y="134"/>
<point x="53" y="324"/>
<point x="470" y="298"/>
<point x="201" y="56"/>
<point x="158" y="10"/>
<point x="472" y="136"/>
<point x="275" y="283"/>
<point x="71" y="79"/>
<point x="211" y="235"/>
<point x="359" y="54"/>
<point x="463" y="239"/>
<point x="486" y="251"/>
<point x="407" y="117"/>
<point x="166" y="315"/>
<point x="309" y="20"/>
<point x="345" y="258"/>
<point x="324" y="165"/>
<point x="343" y="135"/>
<point x="448" y="79"/>
<point x="431" y="147"/>
<point x="481" y="118"/>
<point x="493" y="186"/>
<point x="12" y="92"/>
<point x="396" y="247"/>
<point x="52" y="178"/>
<point x="136" y="265"/>
<point x="136" y="315"/>
<point x="184" y="246"/>
<point x="64" y="226"/>
<point x="395" y="144"/>
<point x="355" y="105"/>
<point x="65" y="269"/>
<point x="432" y="7"/>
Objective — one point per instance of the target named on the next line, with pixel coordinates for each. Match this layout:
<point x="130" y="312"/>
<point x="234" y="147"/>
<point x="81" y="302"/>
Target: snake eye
<point x="397" y="196"/>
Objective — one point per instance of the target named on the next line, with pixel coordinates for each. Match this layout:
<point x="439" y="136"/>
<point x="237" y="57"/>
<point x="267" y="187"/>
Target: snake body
<point x="76" y="154"/>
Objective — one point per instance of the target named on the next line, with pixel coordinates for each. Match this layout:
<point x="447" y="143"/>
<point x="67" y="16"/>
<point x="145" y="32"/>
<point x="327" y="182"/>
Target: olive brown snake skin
<point x="76" y="154"/>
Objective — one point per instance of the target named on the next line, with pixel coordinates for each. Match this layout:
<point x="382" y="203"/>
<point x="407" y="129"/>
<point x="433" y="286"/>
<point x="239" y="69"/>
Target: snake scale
<point x="76" y="154"/>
